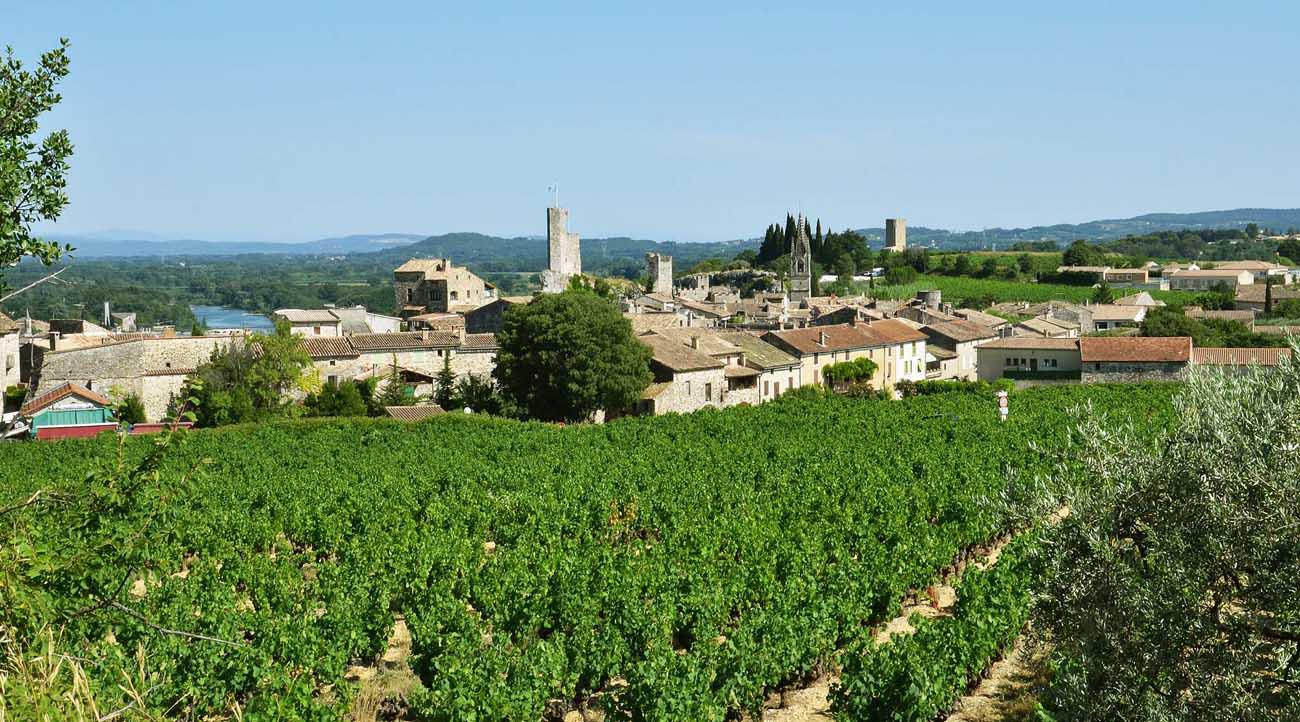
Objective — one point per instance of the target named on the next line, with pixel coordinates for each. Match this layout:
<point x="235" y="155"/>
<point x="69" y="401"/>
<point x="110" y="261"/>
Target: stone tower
<point x="564" y="258"/>
<point x="896" y="234"/>
<point x="800" y="263"/>
<point x="660" y="269"/>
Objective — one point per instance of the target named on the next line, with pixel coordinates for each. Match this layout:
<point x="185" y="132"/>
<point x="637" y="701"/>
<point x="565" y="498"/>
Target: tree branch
<point x="176" y="632"/>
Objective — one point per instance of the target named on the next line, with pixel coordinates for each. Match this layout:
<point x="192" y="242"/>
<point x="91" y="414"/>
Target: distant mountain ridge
<point x="104" y="245"/>
<point x="1278" y="219"/>
<point x="511" y="253"/>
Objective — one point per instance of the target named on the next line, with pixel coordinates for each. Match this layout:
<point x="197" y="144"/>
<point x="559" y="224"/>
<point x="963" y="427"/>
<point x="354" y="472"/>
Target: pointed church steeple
<point x="801" y="262"/>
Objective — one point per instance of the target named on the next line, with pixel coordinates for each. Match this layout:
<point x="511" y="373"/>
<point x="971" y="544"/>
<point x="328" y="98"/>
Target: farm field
<point x="662" y="569"/>
<point x="957" y="288"/>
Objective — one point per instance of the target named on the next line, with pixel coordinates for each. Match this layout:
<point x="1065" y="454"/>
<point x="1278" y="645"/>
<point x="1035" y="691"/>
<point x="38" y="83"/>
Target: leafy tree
<point x="1268" y="295"/>
<point x="1171" y="590"/>
<point x="198" y="329"/>
<point x="480" y="394"/>
<point x="394" y="392"/>
<point x="32" y="173"/>
<point x="445" y="384"/>
<point x="130" y="410"/>
<point x="564" y="356"/>
<point x="248" y="379"/>
<point x="1218" y="298"/>
<point x="1025" y="263"/>
<point x="337" y="399"/>
<point x="962" y="266"/>
<point x="1103" y="293"/>
<point x="1082" y="253"/>
<point x="900" y="275"/>
<point x="844" y="267"/>
<point x="1252" y="231"/>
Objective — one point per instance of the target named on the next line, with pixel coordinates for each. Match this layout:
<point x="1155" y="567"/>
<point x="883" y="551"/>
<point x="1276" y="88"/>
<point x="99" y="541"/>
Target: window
<point x="454" y="295"/>
<point x="817" y="358"/>
<point x="778" y="388"/>
<point x="410" y="296"/>
<point x="708" y="392"/>
<point x="1010" y="362"/>
<point x="789" y="385"/>
<point x="315" y="330"/>
<point x="331" y="362"/>
<point x="688" y="388"/>
<point x="767" y="388"/>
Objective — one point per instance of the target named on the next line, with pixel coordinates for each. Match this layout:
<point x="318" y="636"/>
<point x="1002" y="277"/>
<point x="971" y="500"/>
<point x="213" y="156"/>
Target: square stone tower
<point x="896" y="234"/>
<point x="564" y="258"/>
<point x="800" y="263"/>
<point x="660" y="269"/>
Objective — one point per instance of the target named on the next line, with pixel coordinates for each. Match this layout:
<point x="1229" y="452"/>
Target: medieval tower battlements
<point x="660" y="269"/>
<point x="800" y="263"/>
<point x="564" y="257"/>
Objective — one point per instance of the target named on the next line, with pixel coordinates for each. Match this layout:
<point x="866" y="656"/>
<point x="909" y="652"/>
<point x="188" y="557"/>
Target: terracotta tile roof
<point x="653" y="390"/>
<point x="1116" y="312"/>
<point x="758" y="352"/>
<point x="983" y="319"/>
<point x="892" y="331"/>
<point x="1027" y="343"/>
<point x="413" y="413"/>
<point x="8" y="325"/>
<point x="479" y="342"/>
<point x="1279" y="330"/>
<point x="1047" y="326"/>
<point x="328" y="347"/>
<point x="1254" y="293"/>
<point x="677" y="357"/>
<point x="1249" y="266"/>
<point x="705" y="340"/>
<point x="940" y="353"/>
<point x="421" y="265"/>
<point x="61" y="392"/>
<point x="406" y="340"/>
<point x="1245" y="316"/>
<point x="820" y="339"/>
<point x="959" y="331"/>
<point x="311" y="315"/>
<point x="1141" y="349"/>
<point x="1207" y="273"/>
<point x="171" y="372"/>
<point x="1239" y="356"/>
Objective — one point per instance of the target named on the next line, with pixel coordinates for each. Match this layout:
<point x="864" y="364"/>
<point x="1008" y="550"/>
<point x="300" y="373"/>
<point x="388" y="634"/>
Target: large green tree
<point x="32" y="171"/>
<point x="1172" y="590"/>
<point x="564" y="356"/>
<point x="249" y="379"/>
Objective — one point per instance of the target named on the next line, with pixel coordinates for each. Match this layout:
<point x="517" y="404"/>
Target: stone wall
<point x="10" y="364"/>
<point x="563" y="252"/>
<point x="660" y="269"/>
<point x="1132" y="372"/>
<point x="686" y="392"/>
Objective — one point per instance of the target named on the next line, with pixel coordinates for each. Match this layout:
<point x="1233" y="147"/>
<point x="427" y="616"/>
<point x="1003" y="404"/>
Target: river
<point x="215" y="317"/>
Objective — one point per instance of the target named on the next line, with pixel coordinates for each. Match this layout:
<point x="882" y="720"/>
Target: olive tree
<point x="1172" y="591"/>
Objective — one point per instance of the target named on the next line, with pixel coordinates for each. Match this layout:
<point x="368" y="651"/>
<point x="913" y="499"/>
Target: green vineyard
<point x="669" y="568"/>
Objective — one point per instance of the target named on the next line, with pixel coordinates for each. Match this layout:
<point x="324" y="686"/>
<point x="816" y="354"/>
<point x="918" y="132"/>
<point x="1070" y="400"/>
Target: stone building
<point x="1028" y="358"/>
<point x="800" y="263"/>
<point x="423" y="353"/>
<point x="1130" y="359"/>
<point x="310" y="322"/>
<point x="1204" y="280"/>
<point x="422" y="285"/>
<point x="896" y="234"/>
<point x="742" y="379"/>
<point x="779" y="372"/>
<point x="660" y="270"/>
<point x="685" y="379"/>
<point x="153" y="369"/>
<point x="563" y="252"/>
<point x="898" y="350"/>
<point x="960" y="339"/>
<point x="488" y="317"/>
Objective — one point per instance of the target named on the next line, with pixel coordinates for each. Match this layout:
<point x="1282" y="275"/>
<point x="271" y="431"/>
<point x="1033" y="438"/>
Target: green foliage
<point x="847" y="372"/>
<point x="918" y="677"/>
<point x="1209" y="332"/>
<point x="615" y="551"/>
<point x="395" y="391"/>
<point x="248" y="379"/>
<point x="130" y="410"/>
<point x="997" y="290"/>
<point x="32" y="174"/>
<point x="954" y="386"/>
<point x="564" y="356"/>
<point x="445" y="384"/>
<point x="1171" y="590"/>
<point x="1082" y="253"/>
<point x="481" y="395"/>
<point x="1103" y="293"/>
<point x="900" y="275"/>
<point x="337" y="399"/>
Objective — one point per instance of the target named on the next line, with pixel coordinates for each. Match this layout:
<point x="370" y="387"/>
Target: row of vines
<point x="662" y="569"/>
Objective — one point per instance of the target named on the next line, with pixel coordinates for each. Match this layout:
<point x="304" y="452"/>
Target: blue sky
<point x="665" y="120"/>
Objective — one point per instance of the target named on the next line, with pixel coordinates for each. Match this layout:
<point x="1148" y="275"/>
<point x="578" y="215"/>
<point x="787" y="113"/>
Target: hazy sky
<point x="665" y="120"/>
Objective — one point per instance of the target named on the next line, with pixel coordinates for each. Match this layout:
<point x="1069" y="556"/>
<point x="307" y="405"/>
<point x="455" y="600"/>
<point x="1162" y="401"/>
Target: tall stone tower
<point x="660" y="269"/>
<point x="896" y="234"/>
<point x="800" y="263"/>
<point x="564" y="258"/>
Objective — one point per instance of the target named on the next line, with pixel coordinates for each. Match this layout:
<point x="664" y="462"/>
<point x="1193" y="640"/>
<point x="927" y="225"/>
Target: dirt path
<point x="1009" y="691"/>
<point x="385" y="684"/>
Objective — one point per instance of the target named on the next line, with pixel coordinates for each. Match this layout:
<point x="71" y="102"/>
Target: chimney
<point x="695" y="342"/>
<point x="821" y="338"/>
<point x="853" y="320"/>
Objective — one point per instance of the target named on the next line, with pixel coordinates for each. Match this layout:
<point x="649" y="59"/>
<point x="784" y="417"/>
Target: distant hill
<point x="128" y="245"/>
<point x="1104" y="230"/>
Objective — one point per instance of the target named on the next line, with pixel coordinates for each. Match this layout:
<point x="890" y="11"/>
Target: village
<point x="709" y="347"/>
